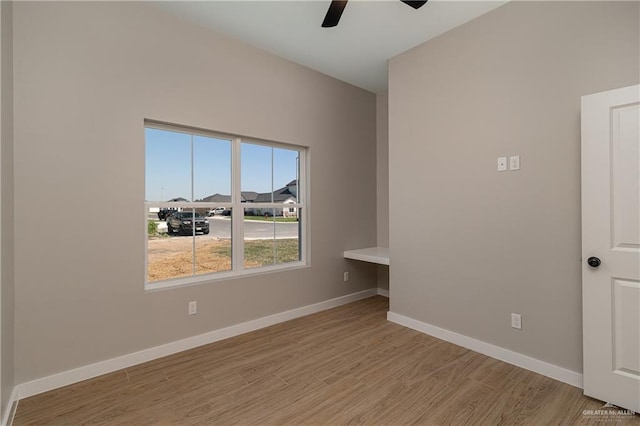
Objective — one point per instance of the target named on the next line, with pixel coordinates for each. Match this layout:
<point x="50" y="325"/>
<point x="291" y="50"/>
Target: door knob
<point x="594" y="262"/>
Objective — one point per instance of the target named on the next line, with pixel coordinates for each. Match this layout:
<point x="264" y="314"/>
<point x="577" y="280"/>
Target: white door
<point x="611" y="237"/>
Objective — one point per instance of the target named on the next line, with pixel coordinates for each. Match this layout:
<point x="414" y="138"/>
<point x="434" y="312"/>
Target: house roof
<point x="279" y="195"/>
<point x="216" y="198"/>
<point x="177" y="200"/>
<point x="249" y="196"/>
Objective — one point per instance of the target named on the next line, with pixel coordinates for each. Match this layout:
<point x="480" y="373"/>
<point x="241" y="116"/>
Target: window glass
<point x="213" y="247"/>
<point x="257" y="172"/>
<point x="211" y="168"/>
<point x="169" y="252"/>
<point x="287" y="239"/>
<point x="190" y="177"/>
<point x="285" y="174"/>
<point x="270" y="237"/>
<point x="259" y="235"/>
<point x="168" y="166"/>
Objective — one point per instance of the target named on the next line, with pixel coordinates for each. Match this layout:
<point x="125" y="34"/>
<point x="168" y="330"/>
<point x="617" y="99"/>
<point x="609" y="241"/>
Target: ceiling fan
<point x="337" y="7"/>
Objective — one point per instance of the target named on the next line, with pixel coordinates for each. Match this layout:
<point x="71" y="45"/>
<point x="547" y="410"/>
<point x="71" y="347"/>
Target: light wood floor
<point x="345" y="365"/>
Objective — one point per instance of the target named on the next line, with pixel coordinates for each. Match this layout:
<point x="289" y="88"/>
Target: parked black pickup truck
<point x="183" y="223"/>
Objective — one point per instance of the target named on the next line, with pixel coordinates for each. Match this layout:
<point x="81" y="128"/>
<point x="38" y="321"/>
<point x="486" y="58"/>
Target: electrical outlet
<point x="502" y="164"/>
<point x="193" y="308"/>
<point x="516" y="321"/>
<point x="346" y="277"/>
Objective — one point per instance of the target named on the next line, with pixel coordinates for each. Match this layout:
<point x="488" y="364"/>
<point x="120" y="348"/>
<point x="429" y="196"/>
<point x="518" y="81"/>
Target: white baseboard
<point x="90" y="371"/>
<point x="550" y="370"/>
<point x="383" y="292"/>
<point x="10" y="409"/>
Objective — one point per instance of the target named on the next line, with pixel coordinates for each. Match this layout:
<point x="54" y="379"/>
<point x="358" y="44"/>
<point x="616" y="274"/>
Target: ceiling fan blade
<point x="414" y="4"/>
<point x="334" y="13"/>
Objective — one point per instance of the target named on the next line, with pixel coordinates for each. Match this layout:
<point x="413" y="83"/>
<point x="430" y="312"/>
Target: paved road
<point x="254" y="230"/>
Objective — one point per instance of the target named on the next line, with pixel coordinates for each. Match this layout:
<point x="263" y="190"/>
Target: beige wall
<point x="471" y="245"/>
<point x="6" y="205"/>
<point x="382" y="181"/>
<point x="86" y="75"/>
<point x="382" y="164"/>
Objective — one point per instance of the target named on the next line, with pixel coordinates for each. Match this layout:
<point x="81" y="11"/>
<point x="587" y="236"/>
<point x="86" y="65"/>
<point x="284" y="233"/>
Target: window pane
<point x="256" y="171"/>
<point x="285" y="175"/>
<point x="259" y="237"/>
<point x="169" y="255"/>
<point x="270" y="237"/>
<point x="168" y="166"/>
<point x="184" y="169"/>
<point x="288" y="238"/>
<point x="213" y="247"/>
<point x="211" y="169"/>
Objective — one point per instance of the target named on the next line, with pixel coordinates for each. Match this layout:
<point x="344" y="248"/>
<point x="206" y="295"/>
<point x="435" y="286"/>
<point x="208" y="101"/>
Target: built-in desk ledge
<point x="378" y="255"/>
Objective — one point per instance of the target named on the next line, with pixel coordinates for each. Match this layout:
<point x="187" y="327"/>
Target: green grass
<point x="271" y="218"/>
<point x="152" y="227"/>
<point x="262" y="252"/>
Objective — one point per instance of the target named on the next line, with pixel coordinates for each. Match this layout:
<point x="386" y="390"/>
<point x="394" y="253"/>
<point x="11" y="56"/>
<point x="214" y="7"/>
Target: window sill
<point x="222" y="276"/>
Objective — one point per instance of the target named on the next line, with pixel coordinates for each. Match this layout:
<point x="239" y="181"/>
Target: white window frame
<point x="237" y="211"/>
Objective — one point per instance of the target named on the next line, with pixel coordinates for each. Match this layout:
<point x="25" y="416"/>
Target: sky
<point x="169" y="166"/>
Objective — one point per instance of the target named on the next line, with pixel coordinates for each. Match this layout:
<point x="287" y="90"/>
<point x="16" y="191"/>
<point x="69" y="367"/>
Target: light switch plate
<point x="514" y="162"/>
<point x="502" y="164"/>
<point x="516" y="321"/>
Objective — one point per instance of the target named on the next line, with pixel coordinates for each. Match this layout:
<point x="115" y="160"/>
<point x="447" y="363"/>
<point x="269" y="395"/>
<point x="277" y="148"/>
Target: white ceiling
<point x="356" y="51"/>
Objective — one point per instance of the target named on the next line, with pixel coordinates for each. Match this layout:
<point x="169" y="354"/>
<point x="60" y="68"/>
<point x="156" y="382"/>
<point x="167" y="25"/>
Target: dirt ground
<point x="172" y="257"/>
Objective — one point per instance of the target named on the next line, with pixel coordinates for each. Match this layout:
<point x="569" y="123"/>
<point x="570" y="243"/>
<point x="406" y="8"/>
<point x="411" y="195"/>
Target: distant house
<point x="216" y="198"/>
<point x="153" y="211"/>
<point x="176" y="200"/>
<point x="285" y="195"/>
<point x="249" y="196"/>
